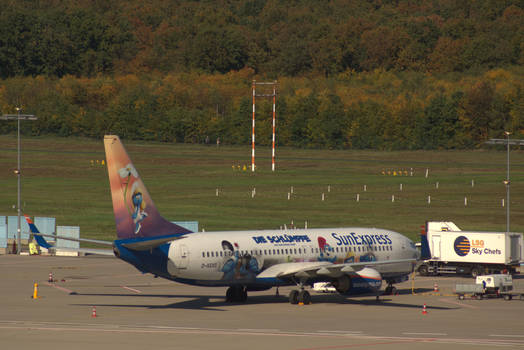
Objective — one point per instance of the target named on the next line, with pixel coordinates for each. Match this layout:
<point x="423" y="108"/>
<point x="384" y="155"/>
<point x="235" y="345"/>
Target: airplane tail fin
<point x="135" y="213"/>
<point x="39" y="239"/>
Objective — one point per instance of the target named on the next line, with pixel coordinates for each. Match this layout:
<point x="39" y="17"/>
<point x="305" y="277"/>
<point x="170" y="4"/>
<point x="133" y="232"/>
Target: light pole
<point x="507" y="141"/>
<point x="18" y="117"/>
<point x="507" y="133"/>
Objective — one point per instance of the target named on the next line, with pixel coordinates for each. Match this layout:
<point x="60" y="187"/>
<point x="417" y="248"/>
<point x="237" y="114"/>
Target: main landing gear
<point x="236" y="294"/>
<point x="300" y="296"/>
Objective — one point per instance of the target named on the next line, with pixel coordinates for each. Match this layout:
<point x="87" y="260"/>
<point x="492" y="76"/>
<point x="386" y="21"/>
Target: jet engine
<point x="342" y="284"/>
<point x="368" y="278"/>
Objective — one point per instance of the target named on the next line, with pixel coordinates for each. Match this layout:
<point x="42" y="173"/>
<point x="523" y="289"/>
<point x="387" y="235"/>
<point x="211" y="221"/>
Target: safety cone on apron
<point x="35" y="291"/>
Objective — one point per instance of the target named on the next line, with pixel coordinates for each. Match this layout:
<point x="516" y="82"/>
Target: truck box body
<point x="475" y="247"/>
<point x="444" y="241"/>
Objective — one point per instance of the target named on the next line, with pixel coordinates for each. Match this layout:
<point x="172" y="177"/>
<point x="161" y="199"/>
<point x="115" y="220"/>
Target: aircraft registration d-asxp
<point x="354" y="260"/>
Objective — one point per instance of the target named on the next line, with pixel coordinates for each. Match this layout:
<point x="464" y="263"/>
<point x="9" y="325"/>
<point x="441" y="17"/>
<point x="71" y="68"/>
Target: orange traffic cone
<point x="50" y="279"/>
<point x="35" y="291"/>
<point x="93" y="313"/>
<point x="435" y="287"/>
<point x="424" y="311"/>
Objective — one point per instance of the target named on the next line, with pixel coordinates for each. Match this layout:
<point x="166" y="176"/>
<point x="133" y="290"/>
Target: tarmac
<point x="138" y="311"/>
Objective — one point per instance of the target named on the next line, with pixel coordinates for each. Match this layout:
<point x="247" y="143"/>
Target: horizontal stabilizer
<point x="87" y="240"/>
<point x="140" y="244"/>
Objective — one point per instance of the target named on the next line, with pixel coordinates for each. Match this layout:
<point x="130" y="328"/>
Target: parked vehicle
<point x="486" y="286"/>
<point x="447" y="249"/>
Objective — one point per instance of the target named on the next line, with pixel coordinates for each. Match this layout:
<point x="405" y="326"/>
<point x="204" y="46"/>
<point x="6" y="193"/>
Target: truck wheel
<point x="461" y="296"/>
<point x="507" y="296"/>
<point x="423" y="270"/>
<point x="475" y="272"/>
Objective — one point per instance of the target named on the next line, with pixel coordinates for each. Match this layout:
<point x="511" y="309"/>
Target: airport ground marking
<point x="459" y="304"/>
<point x="508" y="335"/>
<point x="340" y="332"/>
<point x="346" y="346"/>
<point x="132" y="289"/>
<point x="127" y="329"/>
<point x="61" y="288"/>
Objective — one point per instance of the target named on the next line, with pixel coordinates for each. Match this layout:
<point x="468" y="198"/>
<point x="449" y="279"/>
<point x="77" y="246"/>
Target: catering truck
<point x="445" y="249"/>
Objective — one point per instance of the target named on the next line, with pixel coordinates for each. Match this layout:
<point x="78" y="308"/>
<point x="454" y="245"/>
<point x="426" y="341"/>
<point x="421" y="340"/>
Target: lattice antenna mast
<point x="273" y="144"/>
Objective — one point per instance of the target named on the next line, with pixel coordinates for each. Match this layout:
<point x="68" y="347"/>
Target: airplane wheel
<point x="393" y="291"/>
<point x="243" y="295"/>
<point x="230" y="295"/>
<point x="293" y="297"/>
<point x="304" y="297"/>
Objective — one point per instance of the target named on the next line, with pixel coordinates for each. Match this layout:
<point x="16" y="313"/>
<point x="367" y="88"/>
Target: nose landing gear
<point x="390" y="290"/>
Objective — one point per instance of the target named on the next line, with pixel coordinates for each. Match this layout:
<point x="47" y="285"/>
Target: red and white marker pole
<point x="253" y="132"/>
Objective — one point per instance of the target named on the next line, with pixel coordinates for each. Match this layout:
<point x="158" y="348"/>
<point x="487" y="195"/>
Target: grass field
<point x="59" y="180"/>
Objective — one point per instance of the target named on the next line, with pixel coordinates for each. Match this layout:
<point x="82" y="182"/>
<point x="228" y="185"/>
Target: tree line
<point x="367" y="110"/>
<point x="271" y="37"/>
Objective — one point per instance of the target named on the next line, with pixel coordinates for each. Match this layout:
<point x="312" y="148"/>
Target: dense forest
<point x="380" y="74"/>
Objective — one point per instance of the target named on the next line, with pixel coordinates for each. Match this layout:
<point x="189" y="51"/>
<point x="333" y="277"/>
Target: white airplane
<point x="353" y="260"/>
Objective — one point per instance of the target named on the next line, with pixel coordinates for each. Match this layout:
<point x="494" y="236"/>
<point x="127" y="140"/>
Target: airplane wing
<point x="306" y="270"/>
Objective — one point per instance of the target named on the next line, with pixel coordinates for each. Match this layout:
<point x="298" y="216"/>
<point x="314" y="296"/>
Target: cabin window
<point x="274" y="252"/>
<point x="316" y="250"/>
<point x="299" y="250"/>
<point x="203" y="254"/>
<point x="265" y="252"/>
<point x="207" y="254"/>
<point x="295" y="250"/>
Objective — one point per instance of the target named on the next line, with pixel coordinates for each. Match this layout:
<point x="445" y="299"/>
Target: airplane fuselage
<point x="241" y="257"/>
